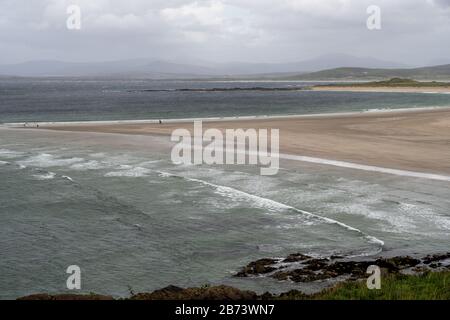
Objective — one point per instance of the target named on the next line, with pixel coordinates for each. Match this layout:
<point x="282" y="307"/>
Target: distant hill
<point x="122" y="68"/>
<point x="348" y="68"/>
<point x="311" y="65"/>
<point x="426" y="73"/>
<point x="392" y="83"/>
<point x="158" y="69"/>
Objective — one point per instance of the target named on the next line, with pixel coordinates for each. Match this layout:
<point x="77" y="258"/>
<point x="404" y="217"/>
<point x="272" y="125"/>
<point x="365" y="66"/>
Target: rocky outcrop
<point x="168" y="293"/>
<point x="302" y="268"/>
<point x="261" y="266"/>
<point x="295" y="267"/>
<point x="436" y="258"/>
<point x="207" y="293"/>
<point x="66" y="297"/>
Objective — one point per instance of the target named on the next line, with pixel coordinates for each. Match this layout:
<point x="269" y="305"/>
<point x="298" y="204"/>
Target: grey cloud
<point x="414" y="31"/>
<point x="444" y="3"/>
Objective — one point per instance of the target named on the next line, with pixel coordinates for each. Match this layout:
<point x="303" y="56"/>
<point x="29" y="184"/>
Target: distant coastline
<point x="392" y="85"/>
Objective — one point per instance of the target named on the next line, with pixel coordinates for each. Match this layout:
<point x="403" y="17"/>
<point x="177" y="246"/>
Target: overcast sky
<point x="413" y="31"/>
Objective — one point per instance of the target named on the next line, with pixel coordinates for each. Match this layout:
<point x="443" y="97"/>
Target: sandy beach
<point x="444" y="90"/>
<point x="405" y="140"/>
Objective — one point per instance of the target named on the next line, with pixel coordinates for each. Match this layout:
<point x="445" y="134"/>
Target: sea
<point x="117" y="207"/>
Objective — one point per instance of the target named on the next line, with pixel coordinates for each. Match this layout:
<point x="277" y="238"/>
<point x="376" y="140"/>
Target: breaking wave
<point x="45" y="160"/>
<point x="9" y="154"/>
<point x="45" y="176"/>
<point x="275" y="206"/>
<point x="131" y="173"/>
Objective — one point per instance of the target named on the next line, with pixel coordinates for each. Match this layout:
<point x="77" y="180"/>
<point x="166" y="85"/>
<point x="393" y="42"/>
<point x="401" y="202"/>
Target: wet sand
<point x="405" y="140"/>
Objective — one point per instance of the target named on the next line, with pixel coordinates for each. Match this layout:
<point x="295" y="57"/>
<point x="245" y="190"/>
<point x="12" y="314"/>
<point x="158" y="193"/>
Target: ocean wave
<point x="89" y="165"/>
<point x="45" y="176"/>
<point x="2" y="163"/>
<point x="388" y="222"/>
<point x="410" y="217"/>
<point x="276" y="206"/>
<point x="98" y="155"/>
<point x="426" y="214"/>
<point x="67" y="178"/>
<point x="379" y="110"/>
<point x="290" y="226"/>
<point x="45" y="160"/>
<point x="166" y="175"/>
<point x="10" y="154"/>
<point x="130" y="173"/>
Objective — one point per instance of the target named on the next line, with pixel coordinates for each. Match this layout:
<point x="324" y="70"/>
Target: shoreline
<point x="411" y="142"/>
<point x="342" y="275"/>
<point x="49" y="124"/>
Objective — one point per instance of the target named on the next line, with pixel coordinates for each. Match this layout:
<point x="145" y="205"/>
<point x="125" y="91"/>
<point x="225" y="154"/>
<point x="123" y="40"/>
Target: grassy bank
<point x="429" y="286"/>
<point x="392" y="83"/>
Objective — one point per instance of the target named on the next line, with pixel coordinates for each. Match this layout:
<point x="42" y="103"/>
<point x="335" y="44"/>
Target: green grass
<point x="429" y="286"/>
<point x="428" y="73"/>
<point x="394" y="83"/>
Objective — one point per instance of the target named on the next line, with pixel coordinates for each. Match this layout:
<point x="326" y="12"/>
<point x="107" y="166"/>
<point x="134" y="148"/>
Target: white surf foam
<point x="97" y="155"/>
<point x="46" y="176"/>
<point x="130" y="173"/>
<point x="2" y="163"/>
<point x="45" y="160"/>
<point x="10" y="154"/>
<point x="166" y="175"/>
<point x="89" y="165"/>
<point x="350" y="165"/>
<point x="425" y="215"/>
<point x="278" y="206"/>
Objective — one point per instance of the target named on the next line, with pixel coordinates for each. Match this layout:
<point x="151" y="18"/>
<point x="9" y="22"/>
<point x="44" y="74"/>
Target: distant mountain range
<point x="312" y="65"/>
<point x="123" y="68"/>
<point x="164" y="69"/>
<point x="328" y="67"/>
